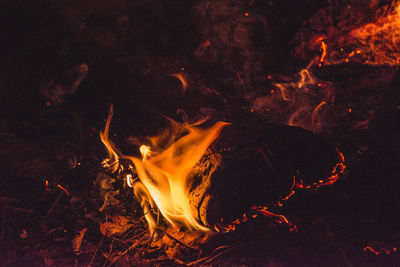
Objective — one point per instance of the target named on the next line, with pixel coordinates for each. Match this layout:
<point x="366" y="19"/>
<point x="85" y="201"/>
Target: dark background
<point x="130" y="48"/>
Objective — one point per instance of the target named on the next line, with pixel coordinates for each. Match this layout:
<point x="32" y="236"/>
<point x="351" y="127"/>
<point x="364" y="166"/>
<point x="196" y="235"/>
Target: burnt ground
<point x="49" y="130"/>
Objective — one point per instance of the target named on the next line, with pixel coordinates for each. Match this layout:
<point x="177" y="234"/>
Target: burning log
<point x="263" y="165"/>
<point x="195" y="181"/>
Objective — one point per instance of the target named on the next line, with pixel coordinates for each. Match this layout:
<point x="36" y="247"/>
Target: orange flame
<point x="305" y="78"/>
<point x="63" y="189"/>
<point x="165" y="173"/>
<point x="323" y="49"/>
<point x="182" y="78"/>
<point x="47" y="186"/>
<point x="377" y="43"/>
<point x="112" y="160"/>
<point x="380" y="248"/>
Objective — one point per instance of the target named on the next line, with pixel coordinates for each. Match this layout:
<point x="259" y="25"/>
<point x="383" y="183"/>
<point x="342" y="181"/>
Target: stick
<point x="95" y="252"/>
<point x="209" y="258"/>
<point x="179" y="242"/>
<point x="109" y="253"/>
<point x="123" y="253"/>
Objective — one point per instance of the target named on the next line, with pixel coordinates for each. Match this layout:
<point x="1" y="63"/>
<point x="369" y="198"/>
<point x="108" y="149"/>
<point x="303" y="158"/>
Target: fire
<point x="377" y="43"/>
<point x="323" y="48"/>
<point x="63" y="189"/>
<point x="305" y="78"/>
<point x="182" y="78"/>
<point x="380" y="248"/>
<point x="145" y="151"/>
<point x="165" y="172"/>
<point x="112" y="160"/>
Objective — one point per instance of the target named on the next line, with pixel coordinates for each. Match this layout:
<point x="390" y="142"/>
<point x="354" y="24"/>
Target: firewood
<point x="262" y="165"/>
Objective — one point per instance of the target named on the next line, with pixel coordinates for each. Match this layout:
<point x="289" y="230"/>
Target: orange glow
<point x="246" y="14"/>
<point x="129" y="181"/>
<point x="372" y="250"/>
<point x="305" y="78"/>
<point x="230" y="227"/>
<point x="316" y="110"/>
<point x="339" y="168"/>
<point x="145" y="151"/>
<point x="112" y="161"/>
<point x="294" y="116"/>
<point x="63" y="189"/>
<point x="47" y="186"/>
<point x="381" y="250"/>
<point x="164" y="173"/>
<point x="323" y="49"/>
<point x="278" y="218"/>
<point x="182" y="78"/>
<point x="378" y="43"/>
<point x="282" y="88"/>
<point x="350" y="110"/>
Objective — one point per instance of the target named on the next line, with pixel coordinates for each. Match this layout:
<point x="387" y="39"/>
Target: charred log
<point x="262" y="165"/>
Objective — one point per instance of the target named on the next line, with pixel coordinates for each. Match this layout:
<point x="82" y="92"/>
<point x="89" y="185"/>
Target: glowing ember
<point x="47" y="186"/>
<point x="377" y="43"/>
<point x="305" y="78"/>
<point x="129" y="180"/>
<point x="63" y="189"/>
<point x="380" y="248"/>
<point x="323" y="49"/>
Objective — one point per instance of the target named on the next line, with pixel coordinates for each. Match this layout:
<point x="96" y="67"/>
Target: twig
<point x="109" y="253"/>
<point x="209" y="258"/>
<point x="55" y="203"/>
<point x="95" y="252"/>
<point x="53" y="230"/>
<point x="178" y="241"/>
<point x="133" y="237"/>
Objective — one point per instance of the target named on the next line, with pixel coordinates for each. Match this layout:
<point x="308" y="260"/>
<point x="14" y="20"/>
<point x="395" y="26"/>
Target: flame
<point x="302" y="101"/>
<point x="323" y="49"/>
<point x="145" y="151"/>
<point x="164" y="174"/>
<point x="283" y="90"/>
<point x="182" y="78"/>
<point x="305" y="78"/>
<point x="112" y="160"/>
<point x="129" y="180"/>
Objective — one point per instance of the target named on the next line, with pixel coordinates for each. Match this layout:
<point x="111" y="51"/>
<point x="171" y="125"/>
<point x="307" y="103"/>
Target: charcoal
<point x="259" y="164"/>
